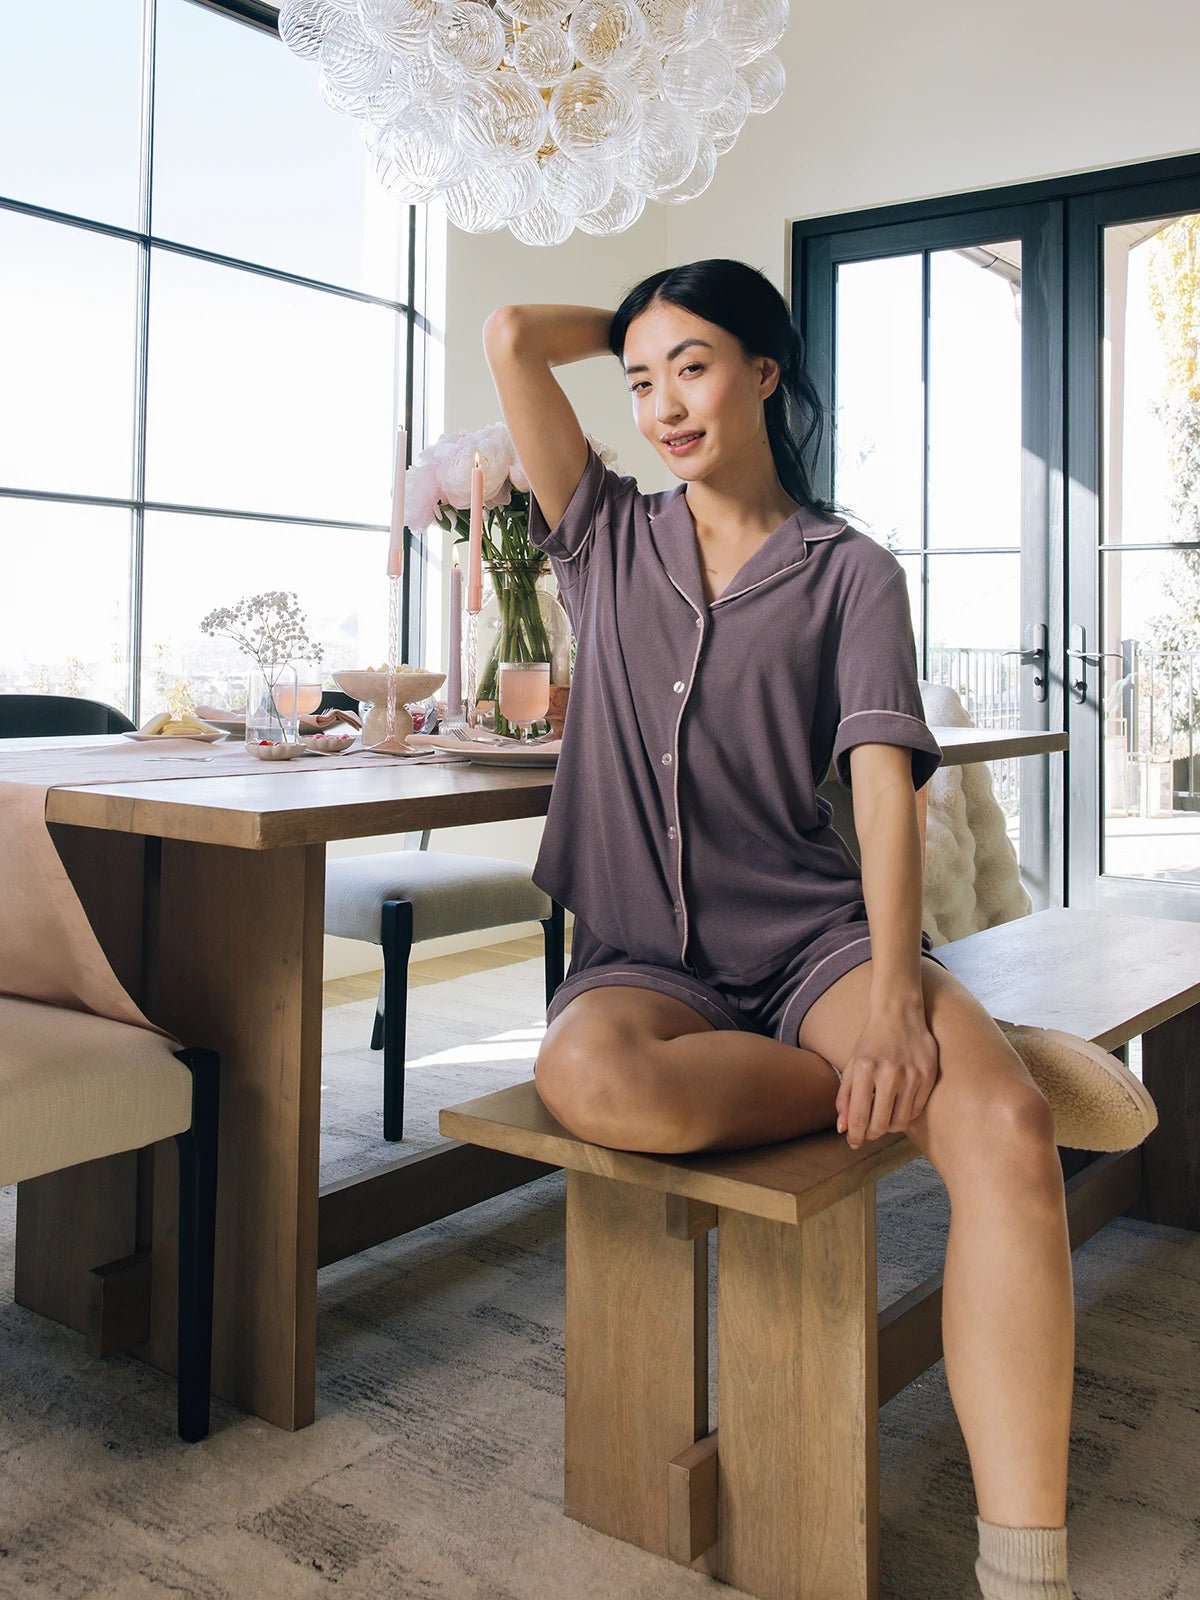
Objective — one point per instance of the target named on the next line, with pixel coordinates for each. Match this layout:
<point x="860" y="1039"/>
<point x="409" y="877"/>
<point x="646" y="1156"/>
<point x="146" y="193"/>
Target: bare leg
<point x="1008" y="1312"/>
<point x="636" y="1070"/>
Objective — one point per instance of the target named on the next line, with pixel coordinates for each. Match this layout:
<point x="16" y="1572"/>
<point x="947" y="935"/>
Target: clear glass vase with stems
<point x="272" y="704"/>
<point x="522" y="620"/>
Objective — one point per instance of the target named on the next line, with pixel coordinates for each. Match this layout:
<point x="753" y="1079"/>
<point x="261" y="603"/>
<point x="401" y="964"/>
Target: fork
<point x="459" y="730"/>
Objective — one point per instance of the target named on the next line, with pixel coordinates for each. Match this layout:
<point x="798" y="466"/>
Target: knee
<point x="604" y="1085"/>
<point x="1006" y="1144"/>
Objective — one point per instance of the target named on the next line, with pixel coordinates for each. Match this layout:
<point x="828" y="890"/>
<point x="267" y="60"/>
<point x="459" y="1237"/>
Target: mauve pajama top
<point x="684" y="829"/>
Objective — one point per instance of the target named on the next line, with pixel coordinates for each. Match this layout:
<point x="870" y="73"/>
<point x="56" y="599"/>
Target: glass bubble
<point x="303" y="24"/>
<point x="533" y="11"/>
<point x="729" y="116"/>
<point x="699" y="78"/>
<point x="503" y="117"/>
<point x="667" y="25"/>
<point x="749" y="28"/>
<point x="397" y="24"/>
<point x="574" y="186"/>
<point x="467" y="39"/>
<point x="604" y="33"/>
<point x="643" y="72"/>
<point x="543" y="55"/>
<point x="480" y="202"/>
<point x="349" y="59"/>
<point x="701" y="18"/>
<point x="698" y="179"/>
<point x="541" y="224"/>
<point x="724" y="142"/>
<point x="430" y="85"/>
<point x="589" y="111"/>
<point x="414" y="162"/>
<point x="622" y="210"/>
<point x="665" y="151"/>
<point x="766" y="80"/>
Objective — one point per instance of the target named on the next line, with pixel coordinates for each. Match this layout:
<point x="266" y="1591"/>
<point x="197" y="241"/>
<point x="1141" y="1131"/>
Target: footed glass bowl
<point x="369" y="686"/>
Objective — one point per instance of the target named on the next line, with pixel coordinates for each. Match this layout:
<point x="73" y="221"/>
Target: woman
<point x="736" y="978"/>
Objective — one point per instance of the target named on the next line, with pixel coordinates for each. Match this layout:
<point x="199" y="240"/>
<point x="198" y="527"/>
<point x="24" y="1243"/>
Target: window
<point x="208" y="313"/>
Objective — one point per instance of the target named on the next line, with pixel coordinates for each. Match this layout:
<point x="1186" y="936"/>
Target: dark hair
<point x="744" y="302"/>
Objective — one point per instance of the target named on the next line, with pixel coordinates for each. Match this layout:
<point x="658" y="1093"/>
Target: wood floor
<point x="365" y="985"/>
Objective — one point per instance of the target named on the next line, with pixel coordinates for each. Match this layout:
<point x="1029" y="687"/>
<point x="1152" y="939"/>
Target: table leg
<point x="636" y="1356"/>
<point x="239" y="969"/>
<point x="797" y="1437"/>
<point x="1171" y="1155"/>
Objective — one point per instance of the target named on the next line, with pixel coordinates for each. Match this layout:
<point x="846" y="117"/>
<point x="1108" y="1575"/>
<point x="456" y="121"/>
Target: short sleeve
<point x="569" y="542"/>
<point x="879" y="693"/>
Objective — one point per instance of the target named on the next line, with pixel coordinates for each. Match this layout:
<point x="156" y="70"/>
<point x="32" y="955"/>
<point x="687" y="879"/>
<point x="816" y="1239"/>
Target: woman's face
<point x="688" y="376"/>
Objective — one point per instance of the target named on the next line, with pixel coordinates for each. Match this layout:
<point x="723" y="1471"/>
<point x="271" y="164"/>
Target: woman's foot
<point x="1097" y="1102"/>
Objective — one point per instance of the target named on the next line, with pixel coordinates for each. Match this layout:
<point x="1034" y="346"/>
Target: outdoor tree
<point x="1174" y="296"/>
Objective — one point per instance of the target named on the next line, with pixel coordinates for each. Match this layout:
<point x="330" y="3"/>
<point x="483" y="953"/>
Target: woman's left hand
<point x="891" y="1071"/>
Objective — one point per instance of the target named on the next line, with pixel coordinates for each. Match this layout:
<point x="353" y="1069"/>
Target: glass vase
<point x="522" y="619"/>
<point x="272" y="705"/>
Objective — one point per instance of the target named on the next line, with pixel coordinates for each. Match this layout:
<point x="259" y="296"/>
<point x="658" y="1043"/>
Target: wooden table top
<point x="262" y="811"/>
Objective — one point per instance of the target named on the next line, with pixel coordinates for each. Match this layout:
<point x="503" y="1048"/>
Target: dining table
<point x="205" y="890"/>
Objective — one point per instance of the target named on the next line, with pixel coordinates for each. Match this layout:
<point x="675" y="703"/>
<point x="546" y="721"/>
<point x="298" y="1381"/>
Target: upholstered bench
<point x="784" y="1502"/>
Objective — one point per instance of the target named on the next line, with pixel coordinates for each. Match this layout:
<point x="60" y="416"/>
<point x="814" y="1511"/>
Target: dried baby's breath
<point x="269" y="627"/>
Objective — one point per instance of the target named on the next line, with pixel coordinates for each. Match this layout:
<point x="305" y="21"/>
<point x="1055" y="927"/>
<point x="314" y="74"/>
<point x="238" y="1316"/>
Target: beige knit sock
<point x="1022" y="1563"/>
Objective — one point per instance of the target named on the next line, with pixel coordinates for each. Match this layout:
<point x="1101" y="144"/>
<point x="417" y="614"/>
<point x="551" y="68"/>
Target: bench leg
<point x="797" y="1439"/>
<point x="1171" y="1155"/>
<point x="636" y="1356"/>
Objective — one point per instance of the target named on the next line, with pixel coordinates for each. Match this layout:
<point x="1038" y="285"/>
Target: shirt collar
<point x="674" y="532"/>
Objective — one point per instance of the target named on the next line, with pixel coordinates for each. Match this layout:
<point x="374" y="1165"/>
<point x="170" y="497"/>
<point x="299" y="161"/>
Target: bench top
<point x="1105" y="977"/>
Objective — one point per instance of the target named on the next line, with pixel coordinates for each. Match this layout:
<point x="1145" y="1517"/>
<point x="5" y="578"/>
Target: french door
<point x="1133" y="512"/>
<point x="938" y="341"/>
<point x="1015" y="389"/>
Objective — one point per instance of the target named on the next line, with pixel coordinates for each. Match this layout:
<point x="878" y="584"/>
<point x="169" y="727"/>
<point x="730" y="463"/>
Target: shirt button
<point x="699" y="622"/>
<point x="666" y="760"/>
<point x="679" y="686"/>
<point x="670" y="833"/>
<point x="678" y="908"/>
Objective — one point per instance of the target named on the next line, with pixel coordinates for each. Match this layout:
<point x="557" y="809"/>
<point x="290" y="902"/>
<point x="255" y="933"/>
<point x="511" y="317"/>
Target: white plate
<point x="508" y="756"/>
<point x="157" y="738"/>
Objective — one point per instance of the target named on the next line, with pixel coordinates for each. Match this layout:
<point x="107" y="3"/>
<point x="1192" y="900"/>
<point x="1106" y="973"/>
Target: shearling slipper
<point x="1098" y="1103"/>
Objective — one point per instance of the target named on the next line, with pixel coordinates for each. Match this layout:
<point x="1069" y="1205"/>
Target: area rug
<point x="434" y="1468"/>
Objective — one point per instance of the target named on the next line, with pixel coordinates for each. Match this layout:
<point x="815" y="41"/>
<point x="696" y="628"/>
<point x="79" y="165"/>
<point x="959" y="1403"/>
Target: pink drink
<point x="524" y="690"/>
<point x="302" y="701"/>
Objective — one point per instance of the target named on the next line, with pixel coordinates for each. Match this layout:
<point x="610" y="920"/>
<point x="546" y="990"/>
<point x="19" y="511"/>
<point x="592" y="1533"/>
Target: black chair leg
<point x="396" y="936"/>
<point x="553" y="929"/>
<point x="197" y="1147"/>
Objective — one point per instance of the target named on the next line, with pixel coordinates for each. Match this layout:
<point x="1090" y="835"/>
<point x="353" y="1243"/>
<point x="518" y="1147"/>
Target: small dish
<point x="275" y="752"/>
<point x="157" y="738"/>
<point x="327" y="744"/>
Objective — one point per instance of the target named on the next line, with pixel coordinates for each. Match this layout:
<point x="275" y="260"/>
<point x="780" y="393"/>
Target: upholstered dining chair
<point x="75" y="1087"/>
<point x="40" y="716"/>
<point x="400" y="897"/>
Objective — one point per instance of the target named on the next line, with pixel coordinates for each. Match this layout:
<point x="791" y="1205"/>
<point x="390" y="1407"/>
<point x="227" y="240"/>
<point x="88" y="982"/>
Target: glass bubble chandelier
<point x="539" y="116"/>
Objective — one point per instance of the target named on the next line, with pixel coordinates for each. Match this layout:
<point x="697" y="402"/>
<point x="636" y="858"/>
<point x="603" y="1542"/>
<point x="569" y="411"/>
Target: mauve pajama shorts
<point x="774" y="1005"/>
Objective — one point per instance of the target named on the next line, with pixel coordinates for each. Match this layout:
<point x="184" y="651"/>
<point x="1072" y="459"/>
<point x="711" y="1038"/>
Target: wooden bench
<point x="785" y="1504"/>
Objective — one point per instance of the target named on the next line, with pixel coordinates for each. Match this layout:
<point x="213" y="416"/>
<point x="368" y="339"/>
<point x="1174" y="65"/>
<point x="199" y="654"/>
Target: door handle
<point x="1035" y="655"/>
<point x="1090" y="658"/>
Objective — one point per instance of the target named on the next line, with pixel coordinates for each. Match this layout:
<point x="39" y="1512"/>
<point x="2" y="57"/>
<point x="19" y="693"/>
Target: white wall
<point x="885" y="103"/>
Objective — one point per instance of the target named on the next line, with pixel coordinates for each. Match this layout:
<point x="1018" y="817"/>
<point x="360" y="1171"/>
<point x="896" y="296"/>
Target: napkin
<point x="313" y="724"/>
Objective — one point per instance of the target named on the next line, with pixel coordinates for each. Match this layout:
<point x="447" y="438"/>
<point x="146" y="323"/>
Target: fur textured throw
<point x="972" y="880"/>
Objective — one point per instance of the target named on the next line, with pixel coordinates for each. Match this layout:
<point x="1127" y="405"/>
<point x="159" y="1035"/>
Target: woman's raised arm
<point x="522" y="343"/>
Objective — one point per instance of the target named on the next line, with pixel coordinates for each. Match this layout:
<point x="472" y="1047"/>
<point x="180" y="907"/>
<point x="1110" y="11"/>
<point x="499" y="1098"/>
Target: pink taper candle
<point x="475" y="548"/>
<point x="395" y="557"/>
<point x="454" y="695"/>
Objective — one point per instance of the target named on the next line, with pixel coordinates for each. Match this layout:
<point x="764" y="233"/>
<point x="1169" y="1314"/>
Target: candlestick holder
<point x="472" y="663"/>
